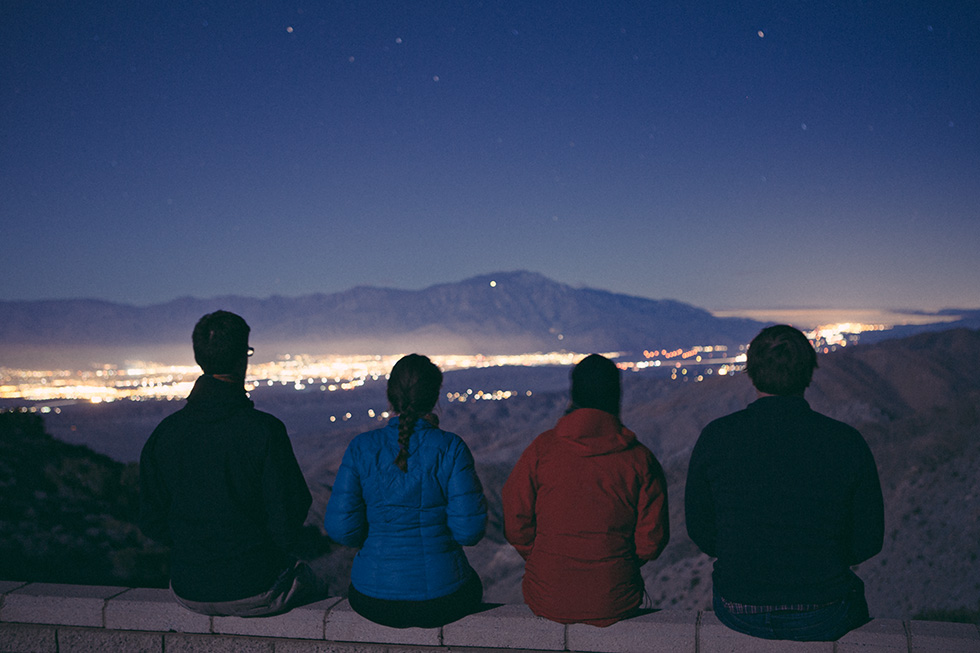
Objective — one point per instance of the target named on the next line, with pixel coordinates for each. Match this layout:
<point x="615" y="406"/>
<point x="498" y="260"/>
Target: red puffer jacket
<point x="586" y="506"/>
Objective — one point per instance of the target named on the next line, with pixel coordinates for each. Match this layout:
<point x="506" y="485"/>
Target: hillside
<point x="68" y="514"/>
<point x="916" y="400"/>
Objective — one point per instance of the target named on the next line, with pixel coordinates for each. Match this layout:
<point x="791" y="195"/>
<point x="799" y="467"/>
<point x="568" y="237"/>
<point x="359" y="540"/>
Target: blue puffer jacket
<point x="410" y="525"/>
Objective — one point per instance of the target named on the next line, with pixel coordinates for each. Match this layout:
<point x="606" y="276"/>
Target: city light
<point x="141" y="381"/>
<point x="145" y="381"/>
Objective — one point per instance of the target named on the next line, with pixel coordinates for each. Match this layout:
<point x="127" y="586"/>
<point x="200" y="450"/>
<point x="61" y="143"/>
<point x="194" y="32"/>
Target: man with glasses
<point x="219" y="484"/>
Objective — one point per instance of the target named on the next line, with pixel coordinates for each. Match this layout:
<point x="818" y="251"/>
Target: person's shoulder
<point x="543" y="440"/>
<point x="726" y="422"/>
<point x="639" y="449"/>
<point x="831" y="422"/>
<point x="267" y="422"/>
<point x="836" y="428"/>
<point x="264" y="417"/>
<point x="371" y="440"/>
<point x="437" y="438"/>
<point x="645" y="456"/>
<point x="170" y="424"/>
<point x="445" y="436"/>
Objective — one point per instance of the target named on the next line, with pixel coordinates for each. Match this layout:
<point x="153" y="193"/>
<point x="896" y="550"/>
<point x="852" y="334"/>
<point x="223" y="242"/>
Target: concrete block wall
<point x="51" y="618"/>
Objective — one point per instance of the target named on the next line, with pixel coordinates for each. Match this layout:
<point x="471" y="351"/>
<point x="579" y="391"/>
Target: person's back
<point x="408" y="495"/>
<point x="218" y="461"/>
<point x="586" y="507"/>
<point x="783" y="481"/>
<point x="410" y="525"/>
<point x="787" y="500"/>
<point x="220" y="484"/>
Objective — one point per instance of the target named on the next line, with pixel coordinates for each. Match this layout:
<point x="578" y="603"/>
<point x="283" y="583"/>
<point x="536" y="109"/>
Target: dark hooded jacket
<point x="586" y="506"/>
<point x="220" y="484"/>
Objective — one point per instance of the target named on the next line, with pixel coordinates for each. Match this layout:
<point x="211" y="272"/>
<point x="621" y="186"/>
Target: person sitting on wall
<point x="220" y="484"/>
<point x="787" y="500"/>
<point x="409" y="497"/>
<point x="586" y="507"/>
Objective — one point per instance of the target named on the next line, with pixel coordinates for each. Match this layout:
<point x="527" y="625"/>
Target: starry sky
<point x="729" y="155"/>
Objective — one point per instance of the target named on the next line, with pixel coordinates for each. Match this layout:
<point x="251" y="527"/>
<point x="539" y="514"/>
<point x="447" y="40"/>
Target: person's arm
<point x="868" y="511"/>
<point x="154" y="512"/>
<point x="285" y="494"/>
<point x="699" y="505"/>
<point x="466" y="512"/>
<point x="519" y="496"/>
<point x="346" y="516"/>
<point x="652" y="518"/>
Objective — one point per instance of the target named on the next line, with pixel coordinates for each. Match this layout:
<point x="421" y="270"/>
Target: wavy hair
<point x="413" y="390"/>
<point x="780" y="361"/>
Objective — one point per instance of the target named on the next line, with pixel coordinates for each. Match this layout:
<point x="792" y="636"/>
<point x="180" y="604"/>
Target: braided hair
<point x="413" y="390"/>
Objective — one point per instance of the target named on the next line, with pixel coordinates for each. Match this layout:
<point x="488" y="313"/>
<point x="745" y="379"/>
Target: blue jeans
<point x="824" y="624"/>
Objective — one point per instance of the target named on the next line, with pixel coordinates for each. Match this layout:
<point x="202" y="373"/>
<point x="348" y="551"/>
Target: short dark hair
<point x="220" y="342"/>
<point x="781" y="361"/>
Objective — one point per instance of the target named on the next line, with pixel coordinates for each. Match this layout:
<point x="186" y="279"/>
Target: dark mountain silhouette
<point x="522" y="312"/>
<point x="964" y="319"/>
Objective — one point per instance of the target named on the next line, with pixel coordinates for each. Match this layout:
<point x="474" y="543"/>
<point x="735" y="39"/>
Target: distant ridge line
<point x="503" y="312"/>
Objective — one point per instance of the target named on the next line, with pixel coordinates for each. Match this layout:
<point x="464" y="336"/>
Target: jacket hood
<point x="213" y="400"/>
<point x="594" y="432"/>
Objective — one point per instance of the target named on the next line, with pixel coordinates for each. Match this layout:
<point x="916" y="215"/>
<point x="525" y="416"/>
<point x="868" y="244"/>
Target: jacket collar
<point x="213" y="395"/>
<point x="781" y="403"/>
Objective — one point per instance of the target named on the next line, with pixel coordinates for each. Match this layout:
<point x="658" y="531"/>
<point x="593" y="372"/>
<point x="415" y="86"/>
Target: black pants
<point x="432" y="613"/>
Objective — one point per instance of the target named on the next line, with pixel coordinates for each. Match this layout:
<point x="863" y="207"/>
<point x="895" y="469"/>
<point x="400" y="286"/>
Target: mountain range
<point x="500" y="313"/>
<point x="510" y="312"/>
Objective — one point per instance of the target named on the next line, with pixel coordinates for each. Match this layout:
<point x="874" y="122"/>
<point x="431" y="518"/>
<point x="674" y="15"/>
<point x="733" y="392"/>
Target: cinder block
<point x="49" y="603"/>
<point x="26" y="638"/>
<point x="885" y="635"/>
<point x="941" y="637"/>
<point x="308" y="646"/>
<point x="505" y="626"/>
<point x="153" y="609"/>
<point x="7" y="586"/>
<point x="345" y="625"/>
<point x="715" y="637"/>
<point x="303" y="622"/>
<point x="180" y="643"/>
<point x="664" y="631"/>
<point x="84" y="640"/>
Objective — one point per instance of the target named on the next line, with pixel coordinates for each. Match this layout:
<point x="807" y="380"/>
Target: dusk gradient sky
<point x="725" y="154"/>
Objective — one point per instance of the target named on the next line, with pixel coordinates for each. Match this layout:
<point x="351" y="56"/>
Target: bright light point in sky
<point x="761" y="34"/>
<point x="493" y="284"/>
<point x="289" y="29"/>
<point x="435" y="78"/>
<point x="398" y="40"/>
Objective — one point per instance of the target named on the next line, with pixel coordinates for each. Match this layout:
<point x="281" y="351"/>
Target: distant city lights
<point x="141" y="381"/>
<point x="146" y="381"/>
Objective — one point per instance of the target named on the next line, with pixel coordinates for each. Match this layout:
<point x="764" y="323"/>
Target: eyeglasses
<point x="251" y="350"/>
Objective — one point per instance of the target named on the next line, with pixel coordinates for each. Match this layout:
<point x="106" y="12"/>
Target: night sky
<point x="729" y="155"/>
